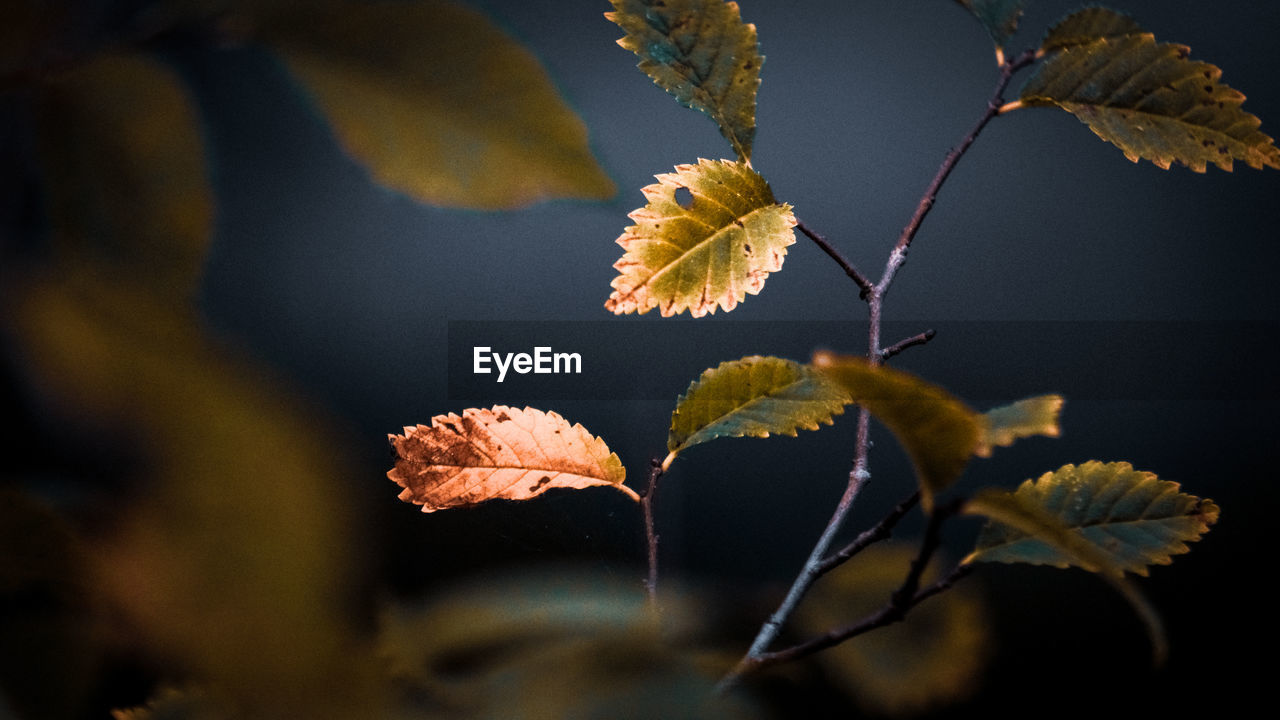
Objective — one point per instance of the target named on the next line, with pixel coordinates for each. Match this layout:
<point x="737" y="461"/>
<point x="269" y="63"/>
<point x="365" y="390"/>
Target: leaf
<point x="1024" y="418"/>
<point x="1086" y="25"/>
<point x="557" y="642"/>
<point x="503" y="453"/>
<point x="938" y="431"/>
<point x="172" y="704"/>
<point x="234" y="560"/>
<point x="1135" y="518"/>
<point x="701" y="52"/>
<point x="1007" y="509"/>
<point x="752" y="397"/>
<point x="999" y="17"/>
<point x="936" y="656"/>
<point x="126" y="182"/>
<point x="438" y="103"/>
<point x="1152" y="102"/>
<point x="709" y="252"/>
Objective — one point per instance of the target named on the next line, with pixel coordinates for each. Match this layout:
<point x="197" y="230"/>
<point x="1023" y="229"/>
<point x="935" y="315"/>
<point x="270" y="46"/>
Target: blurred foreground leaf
<point x="233" y="563"/>
<point x="503" y="453"/>
<point x="753" y="397"/>
<point x="552" y="644"/>
<point x="701" y="52"/>
<point x="938" y="431"/>
<point x="934" y="657"/>
<point x="172" y="704"/>
<point x="438" y="103"/>
<point x="124" y="171"/>
<point x="1006" y="424"/>
<point x="707" y="252"/>
<point x="50" y="640"/>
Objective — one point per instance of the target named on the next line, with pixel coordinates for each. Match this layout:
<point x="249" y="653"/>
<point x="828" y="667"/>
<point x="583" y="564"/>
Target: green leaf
<point x="753" y="397"/>
<point x="1086" y="25"/>
<point x="1006" y="508"/>
<point x="939" y="432"/>
<point x="438" y="103"/>
<point x="701" y="52"/>
<point x="999" y="17"/>
<point x="709" y="252"/>
<point x="1152" y="102"/>
<point x="1024" y="418"/>
<point x="123" y="160"/>
<point x="906" y="668"/>
<point x="1135" y="518"/>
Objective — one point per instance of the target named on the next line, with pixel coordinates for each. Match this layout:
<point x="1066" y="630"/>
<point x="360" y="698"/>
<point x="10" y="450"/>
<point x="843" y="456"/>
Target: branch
<point x="864" y="283"/>
<point x="901" y="345"/>
<point x="882" y="531"/>
<point x="906" y="597"/>
<point x="899" y="254"/>
<point x="647" y="499"/>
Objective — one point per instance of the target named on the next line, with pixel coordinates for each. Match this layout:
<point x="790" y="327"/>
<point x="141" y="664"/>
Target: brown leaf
<point x="501" y="453"/>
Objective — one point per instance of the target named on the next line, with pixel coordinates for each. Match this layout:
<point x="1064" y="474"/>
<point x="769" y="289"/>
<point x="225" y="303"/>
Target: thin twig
<point x="647" y="499"/>
<point x="901" y="345"/>
<point x="864" y="283"/>
<point x="882" y="531"/>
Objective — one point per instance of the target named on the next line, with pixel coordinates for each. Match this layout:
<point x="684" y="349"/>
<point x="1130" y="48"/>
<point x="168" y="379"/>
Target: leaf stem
<point x="864" y="283"/>
<point x="647" y="500"/>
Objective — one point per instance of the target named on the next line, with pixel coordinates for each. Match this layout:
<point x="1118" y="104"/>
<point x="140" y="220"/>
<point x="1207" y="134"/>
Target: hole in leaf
<point x="684" y="198"/>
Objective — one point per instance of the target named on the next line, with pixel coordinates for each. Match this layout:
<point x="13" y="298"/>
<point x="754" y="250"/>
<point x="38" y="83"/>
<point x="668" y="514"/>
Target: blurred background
<point x="201" y="392"/>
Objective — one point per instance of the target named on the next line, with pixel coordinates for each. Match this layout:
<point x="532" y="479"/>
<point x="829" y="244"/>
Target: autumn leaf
<point x="123" y="160"/>
<point x="938" y="431"/>
<point x="1086" y="25"/>
<point x="501" y="453"/>
<point x="702" y="53"/>
<point x="1152" y="102"/>
<point x="753" y="397"/>
<point x="1134" y="517"/>
<point x="438" y="103"/>
<point x="1024" y="418"/>
<point x="999" y="17"/>
<point x="934" y="657"/>
<point x="708" y="252"/>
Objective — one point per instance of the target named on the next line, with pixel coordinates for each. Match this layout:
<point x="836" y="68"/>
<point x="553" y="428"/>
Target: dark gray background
<point x="1146" y="296"/>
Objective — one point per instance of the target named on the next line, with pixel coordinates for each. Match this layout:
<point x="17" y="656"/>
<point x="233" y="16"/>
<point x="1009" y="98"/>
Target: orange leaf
<point x="502" y="453"/>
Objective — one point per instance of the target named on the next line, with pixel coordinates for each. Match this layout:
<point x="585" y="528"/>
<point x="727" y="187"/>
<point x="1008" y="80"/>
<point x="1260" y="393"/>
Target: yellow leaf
<point x="934" y="657"/>
<point x="438" y="103"/>
<point x="123" y="159"/>
<point x="502" y="453"/>
<point x="938" y="431"/>
<point x="710" y="251"/>
<point x="1004" y="425"/>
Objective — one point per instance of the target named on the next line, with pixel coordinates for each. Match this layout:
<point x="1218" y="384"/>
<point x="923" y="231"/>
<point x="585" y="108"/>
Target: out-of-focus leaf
<point x="938" y="431"/>
<point x="708" y="252"/>
<point x="124" y="171"/>
<point x="753" y="397"/>
<point x="234" y="561"/>
<point x="1086" y="25"/>
<point x="701" y="52"/>
<point x="173" y="704"/>
<point x="555" y="643"/>
<point x="52" y="642"/>
<point x="1008" y="423"/>
<point x="1031" y="519"/>
<point x="1153" y="102"/>
<point x="933" y="658"/>
<point x="438" y="103"/>
<point x="1134" y="517"/>
<point x="999" y="17"/>
<point x="503" y="453"/>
